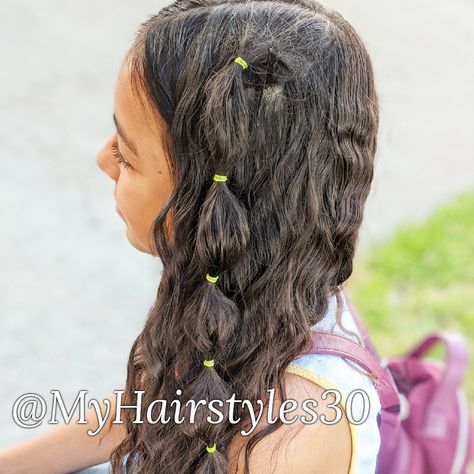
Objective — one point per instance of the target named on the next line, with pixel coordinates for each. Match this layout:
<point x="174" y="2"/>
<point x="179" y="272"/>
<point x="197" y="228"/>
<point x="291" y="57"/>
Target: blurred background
<point x="73" y="292"/>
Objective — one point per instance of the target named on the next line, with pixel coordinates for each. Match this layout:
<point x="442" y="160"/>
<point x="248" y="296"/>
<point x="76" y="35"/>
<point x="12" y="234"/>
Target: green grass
<point x="420" y="280"/>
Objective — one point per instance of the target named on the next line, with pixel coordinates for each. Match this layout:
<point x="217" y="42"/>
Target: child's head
<point x="293" y="127"/>
<point x="305" y="102"/>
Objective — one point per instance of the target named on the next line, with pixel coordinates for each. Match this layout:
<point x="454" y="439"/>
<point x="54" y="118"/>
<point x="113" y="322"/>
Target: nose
<point x="106" y="162"/>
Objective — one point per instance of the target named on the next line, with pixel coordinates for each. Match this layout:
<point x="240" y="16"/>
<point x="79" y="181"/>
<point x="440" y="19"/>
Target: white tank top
<point x="335" y="372"/>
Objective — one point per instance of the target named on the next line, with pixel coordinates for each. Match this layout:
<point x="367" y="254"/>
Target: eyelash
<point x="118" y="156"/>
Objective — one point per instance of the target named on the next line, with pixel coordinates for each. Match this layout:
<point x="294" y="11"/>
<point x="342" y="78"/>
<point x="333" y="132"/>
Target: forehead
<point x="130" y="106"/>
<point x="138" y="118"/>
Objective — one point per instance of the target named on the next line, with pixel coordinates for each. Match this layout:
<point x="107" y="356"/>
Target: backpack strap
<point x="325" y="342"/>
<point x="457" y="359"/>
<point x="359" y="323"/>
<point x="367" y="342"/>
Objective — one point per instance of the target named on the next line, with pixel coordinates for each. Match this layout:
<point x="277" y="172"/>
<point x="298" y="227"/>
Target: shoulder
<point x="356" y="393"/>
<point x="306" y="448"/>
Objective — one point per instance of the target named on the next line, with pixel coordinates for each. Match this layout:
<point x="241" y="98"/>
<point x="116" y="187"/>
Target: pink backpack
<point x="425" y="423"/>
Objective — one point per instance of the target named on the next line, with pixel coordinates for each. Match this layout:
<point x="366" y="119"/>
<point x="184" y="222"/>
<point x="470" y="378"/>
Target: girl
<point x="243" y="157"/>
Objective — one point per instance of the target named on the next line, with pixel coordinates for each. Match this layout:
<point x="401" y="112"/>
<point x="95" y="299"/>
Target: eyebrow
<point x="123" y="136"/>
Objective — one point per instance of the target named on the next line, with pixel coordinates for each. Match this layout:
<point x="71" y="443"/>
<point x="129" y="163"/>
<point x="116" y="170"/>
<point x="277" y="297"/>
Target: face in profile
<point x="134" y="157"/>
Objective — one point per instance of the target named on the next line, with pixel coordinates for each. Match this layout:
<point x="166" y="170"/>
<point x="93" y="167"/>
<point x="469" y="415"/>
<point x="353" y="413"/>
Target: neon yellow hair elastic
<point x="241" y="61"/>
<point x="209" y="363"/>
<point x="219" y="177"/>
<point x="211" y="279"/>
<point x="211" y="449"/>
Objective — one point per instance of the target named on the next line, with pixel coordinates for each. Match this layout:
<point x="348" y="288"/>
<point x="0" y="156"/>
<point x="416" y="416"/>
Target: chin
<point x="136" y="242"/>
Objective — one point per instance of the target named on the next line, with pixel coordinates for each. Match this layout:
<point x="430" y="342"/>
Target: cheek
<point x="139" y="202"/>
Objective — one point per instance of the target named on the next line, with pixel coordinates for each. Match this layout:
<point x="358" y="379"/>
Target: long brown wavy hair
<point x="295" y="133"/>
